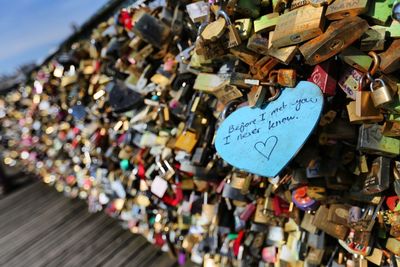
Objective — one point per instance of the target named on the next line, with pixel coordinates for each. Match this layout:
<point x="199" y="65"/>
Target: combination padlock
<point x="381" y="95"/>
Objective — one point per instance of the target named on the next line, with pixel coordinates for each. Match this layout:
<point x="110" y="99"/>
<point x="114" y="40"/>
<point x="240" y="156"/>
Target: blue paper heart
<point x="263" y="140"/>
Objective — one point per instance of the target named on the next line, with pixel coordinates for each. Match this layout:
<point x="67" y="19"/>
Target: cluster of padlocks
<point x="230" y="133"/>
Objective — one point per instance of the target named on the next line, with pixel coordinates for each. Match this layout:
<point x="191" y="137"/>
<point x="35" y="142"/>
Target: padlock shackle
<point x="374" y="82"/>
<point x="361" y="83"/>
<point x="376" y="62"/>
<point x="221" y="12"/>
<point x="202" y="26"/>
<point x="275" y="96"/>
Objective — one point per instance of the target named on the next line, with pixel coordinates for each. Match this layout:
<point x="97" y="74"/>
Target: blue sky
<point x="29" y="29"/>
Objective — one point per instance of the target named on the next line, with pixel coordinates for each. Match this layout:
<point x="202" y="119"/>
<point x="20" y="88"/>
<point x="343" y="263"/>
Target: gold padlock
<point x="381" y="95"/>
<point x="286" y="77"/>
<point x="364" y="104"/>
<point x="233" y="35"/>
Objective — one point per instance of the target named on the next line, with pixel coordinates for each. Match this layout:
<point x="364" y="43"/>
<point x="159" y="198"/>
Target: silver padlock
<point x="381" y="94"/>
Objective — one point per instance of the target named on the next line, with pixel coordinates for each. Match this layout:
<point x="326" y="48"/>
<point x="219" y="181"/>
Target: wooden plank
<point x="33" y="230"/>
<point x="107" y="251"/>
<point x="136" y="247"/>
<point x="37" y="225"/>
<point x="12" y="201"/>
<point x="73" y="242"/>
<point x="40" y="227"/>
<point x="92" y="249"/>
<point x="28" y="209"/>
<point x="54" y="236"/>
<point x="163" y="260"/>
<point x="137" y="259"/>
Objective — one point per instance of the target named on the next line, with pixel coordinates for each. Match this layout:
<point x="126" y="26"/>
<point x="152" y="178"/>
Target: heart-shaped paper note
<point x="263" y="140"/>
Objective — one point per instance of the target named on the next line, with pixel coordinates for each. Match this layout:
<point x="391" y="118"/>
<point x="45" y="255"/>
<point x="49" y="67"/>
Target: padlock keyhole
<point x="295" y="38"/>
<point x="336" y="44"/>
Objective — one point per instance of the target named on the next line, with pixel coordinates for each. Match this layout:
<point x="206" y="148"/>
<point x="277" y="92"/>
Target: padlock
<point x="335" y="39"/>
<point x="324" y="75"/>
<point x="378" y="178"/>
<point x="372" y="141"/>
<point x="245" y="55"/>
<point x="302" y="200"/>
<point x="298" y="26"/>
<point x="314" y="256"/>
<point x="373" y="39"/>
<point x="353" y="118"/>
<point x="284" y="54"/>
<point x="340" y="9"/>
<point x="258" y="44"/>
<point x="364" y="104"/>
<point x="381" y="95"/>
<point x="152" y="30"/>
<point x="349" y="81"/>
<point x="336" y="230"/>
<point x="380" y="12"/>
<point x="298" y="3"/>
<point x="393" y="245"/>
<point x="213" y="30"/>
<point x="232" y="191"/>
<point x="198" y="11"/>
<point x="244" y="27"/>
<point x="357" y="59"/>
<point x="256" y="96"/>
<point x="285" y="77"/>
<point x="390" y="58"/>
<point x="233" y="35"/>
<point x="266" y="22"/>
<point x="391" y="129"/>
<point x="248" y="8"/>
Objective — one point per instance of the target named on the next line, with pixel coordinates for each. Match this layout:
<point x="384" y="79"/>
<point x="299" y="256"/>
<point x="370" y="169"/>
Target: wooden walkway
<point x="40" y="227"/>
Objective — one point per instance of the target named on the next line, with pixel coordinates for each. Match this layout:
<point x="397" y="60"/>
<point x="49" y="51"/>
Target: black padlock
<point x="122" y="98"/>
<point x="378" y="179"/>
<point x="152" y="30"/>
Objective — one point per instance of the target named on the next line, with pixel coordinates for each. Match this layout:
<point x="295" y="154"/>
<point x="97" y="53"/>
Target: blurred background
<point x="31" y="29"/>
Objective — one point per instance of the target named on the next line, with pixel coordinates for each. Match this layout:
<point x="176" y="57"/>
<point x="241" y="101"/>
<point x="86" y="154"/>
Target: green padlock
<point x="244" y="28"/>
<point x="380" y="11"/>
<point x="266" y="22"/>
<point x="394" y="29"/>
<point x="356" y="58"/>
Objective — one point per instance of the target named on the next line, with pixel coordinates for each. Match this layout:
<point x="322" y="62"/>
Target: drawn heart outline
<point x="264" y="147"/>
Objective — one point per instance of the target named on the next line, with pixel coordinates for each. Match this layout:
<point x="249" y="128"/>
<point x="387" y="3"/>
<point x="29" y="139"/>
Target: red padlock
<point x="392" y="202"/>
<point x="324" y="75"/>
